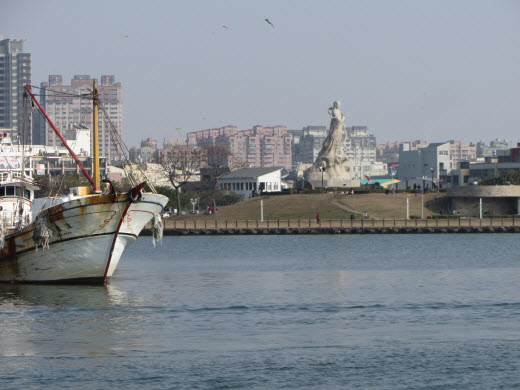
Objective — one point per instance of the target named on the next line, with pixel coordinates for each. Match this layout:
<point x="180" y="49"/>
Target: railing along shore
<point x="311" y="226"/>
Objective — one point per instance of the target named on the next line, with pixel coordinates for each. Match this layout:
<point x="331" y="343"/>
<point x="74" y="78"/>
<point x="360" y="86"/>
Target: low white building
<point x="251" y="181"/>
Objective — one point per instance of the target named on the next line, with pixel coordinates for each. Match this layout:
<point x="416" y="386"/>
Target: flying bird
<point x="226" y="27"/>
<point x="267" y="20"/>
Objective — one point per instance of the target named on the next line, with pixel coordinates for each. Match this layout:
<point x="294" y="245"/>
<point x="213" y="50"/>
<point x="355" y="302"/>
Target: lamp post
<point x="432" y="178"/>
<point x="322" y="169"/>
<point x="193" y="203"/>
<point x="422" y="206"/>
<point x="392" y="172"/>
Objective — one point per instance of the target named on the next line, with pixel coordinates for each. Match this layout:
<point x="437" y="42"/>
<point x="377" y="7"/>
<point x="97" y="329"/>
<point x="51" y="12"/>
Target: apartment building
<point x="460" y="151"/>
<point x="65" y="107"/>
<point x="15" y="73"/>
<point x="389" y="152"/>
<point x="207" y="137"/>
<point x="359" y="144"/>
<point x="256" y="147"/>
<point x="307" y="143"/>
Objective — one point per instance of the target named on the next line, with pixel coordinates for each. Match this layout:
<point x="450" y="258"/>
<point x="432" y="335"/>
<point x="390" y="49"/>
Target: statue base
<point x="343" y="180"/>
<point x="336" y="183"/>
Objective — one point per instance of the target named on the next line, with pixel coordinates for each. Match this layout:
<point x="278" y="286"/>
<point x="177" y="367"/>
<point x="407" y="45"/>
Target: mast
<point x="95" y="141"/>
<point x="80" y="165"/>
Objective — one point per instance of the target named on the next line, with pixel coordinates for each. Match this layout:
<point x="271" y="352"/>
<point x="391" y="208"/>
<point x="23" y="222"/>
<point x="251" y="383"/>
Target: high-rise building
<point x="484" y="150"/>
<point x="359" y="145"/>
<point x="15" y="72"/>
<point x="256" y="147"/>
<point x="307" y="143"/>
<point x="389" y="152"/>
<point x="65" y="106"/>
<point x="461" y="151"/>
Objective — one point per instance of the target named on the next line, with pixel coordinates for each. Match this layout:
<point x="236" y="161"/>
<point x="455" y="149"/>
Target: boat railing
<point x="6" y="177"/>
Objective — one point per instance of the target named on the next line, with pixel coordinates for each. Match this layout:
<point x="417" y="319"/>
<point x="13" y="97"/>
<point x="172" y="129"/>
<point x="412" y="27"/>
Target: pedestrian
<point x="366" y="215"/>
<point x="318" y="216"/>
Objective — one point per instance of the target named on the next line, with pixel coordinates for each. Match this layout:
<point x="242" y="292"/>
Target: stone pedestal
<point x="313" y="176"/>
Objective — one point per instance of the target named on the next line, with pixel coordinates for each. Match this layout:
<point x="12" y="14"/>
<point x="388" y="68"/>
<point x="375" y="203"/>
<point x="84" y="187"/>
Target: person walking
<point x="318" y="216"/>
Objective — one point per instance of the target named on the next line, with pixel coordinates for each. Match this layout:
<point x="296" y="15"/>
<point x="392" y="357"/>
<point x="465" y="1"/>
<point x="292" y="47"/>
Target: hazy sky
<point x="436" y="70"/>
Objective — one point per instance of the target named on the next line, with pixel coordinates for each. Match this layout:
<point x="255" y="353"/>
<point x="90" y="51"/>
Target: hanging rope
<point x="2" y="234"/>
<point x="157" y="229"/>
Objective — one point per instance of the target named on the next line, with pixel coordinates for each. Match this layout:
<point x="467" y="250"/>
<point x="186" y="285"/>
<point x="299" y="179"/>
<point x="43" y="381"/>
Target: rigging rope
<point x="122" y="150"/>
<point x="116" y="139"/>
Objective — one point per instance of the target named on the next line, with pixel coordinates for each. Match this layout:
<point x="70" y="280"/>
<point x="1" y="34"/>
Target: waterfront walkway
<point x="342" y="226"/>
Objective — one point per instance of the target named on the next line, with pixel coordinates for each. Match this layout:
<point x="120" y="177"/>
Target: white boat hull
<point x="89" y="237"/>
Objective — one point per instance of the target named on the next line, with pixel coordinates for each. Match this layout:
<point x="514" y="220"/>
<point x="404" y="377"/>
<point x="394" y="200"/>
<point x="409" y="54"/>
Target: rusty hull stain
<point x="8" y="258"/>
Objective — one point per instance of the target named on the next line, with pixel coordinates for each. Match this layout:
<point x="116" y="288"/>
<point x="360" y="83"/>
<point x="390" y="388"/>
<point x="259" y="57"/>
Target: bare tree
<point x="217" y="159"/>
<point x="181" y="164"/>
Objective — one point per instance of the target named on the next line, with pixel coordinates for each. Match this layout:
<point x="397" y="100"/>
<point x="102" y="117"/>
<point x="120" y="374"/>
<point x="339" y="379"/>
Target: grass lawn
<point x="330" y="206"/>
<point x="391" y="206"/>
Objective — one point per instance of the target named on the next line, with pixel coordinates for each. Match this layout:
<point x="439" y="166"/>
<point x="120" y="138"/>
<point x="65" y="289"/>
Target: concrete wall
<point x="504" y="200"/>
<point x="484" y="191"/>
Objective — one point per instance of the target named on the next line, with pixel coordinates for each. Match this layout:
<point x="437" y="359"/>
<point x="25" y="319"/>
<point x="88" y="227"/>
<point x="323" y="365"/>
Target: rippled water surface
<point x="277" y="312"/>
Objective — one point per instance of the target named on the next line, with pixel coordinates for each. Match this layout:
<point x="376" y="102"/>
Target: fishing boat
<point x="74" y="239"/>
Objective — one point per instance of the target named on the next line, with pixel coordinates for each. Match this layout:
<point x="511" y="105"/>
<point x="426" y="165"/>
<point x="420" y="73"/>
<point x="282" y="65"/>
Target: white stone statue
<point x="330" y="165"/>
<point x="332" y="152"/>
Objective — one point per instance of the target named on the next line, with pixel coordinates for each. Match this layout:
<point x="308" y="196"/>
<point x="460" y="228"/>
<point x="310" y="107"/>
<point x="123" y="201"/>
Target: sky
<point x="435" y="70"/>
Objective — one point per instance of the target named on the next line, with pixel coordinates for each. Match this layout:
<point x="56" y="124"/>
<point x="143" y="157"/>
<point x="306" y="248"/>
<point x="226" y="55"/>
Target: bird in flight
<point x="226" y="27"/>
<point x="267" y="20"/>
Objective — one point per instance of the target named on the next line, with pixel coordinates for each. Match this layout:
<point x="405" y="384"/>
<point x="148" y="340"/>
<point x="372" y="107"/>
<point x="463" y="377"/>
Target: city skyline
<point x="407" y="70"/>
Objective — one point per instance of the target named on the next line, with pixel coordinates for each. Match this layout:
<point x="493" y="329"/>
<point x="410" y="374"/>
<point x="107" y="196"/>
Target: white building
<point x="79" y="139"/>
<point x="431" y="162"/>
<point x="250" y="181"/>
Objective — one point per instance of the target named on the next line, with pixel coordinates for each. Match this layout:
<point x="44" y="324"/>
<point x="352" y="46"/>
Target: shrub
<point x="443" y="216"/>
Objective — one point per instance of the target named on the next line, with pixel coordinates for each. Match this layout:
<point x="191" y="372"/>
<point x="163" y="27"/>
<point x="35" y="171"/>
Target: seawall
<point x="336" y="230"/>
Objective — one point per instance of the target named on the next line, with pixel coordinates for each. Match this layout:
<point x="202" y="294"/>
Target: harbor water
<point x="431" y="311"/>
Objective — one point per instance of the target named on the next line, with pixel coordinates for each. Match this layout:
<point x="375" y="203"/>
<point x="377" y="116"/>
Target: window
<point x="9" y="190"/>
<point x="2" y="191"/>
